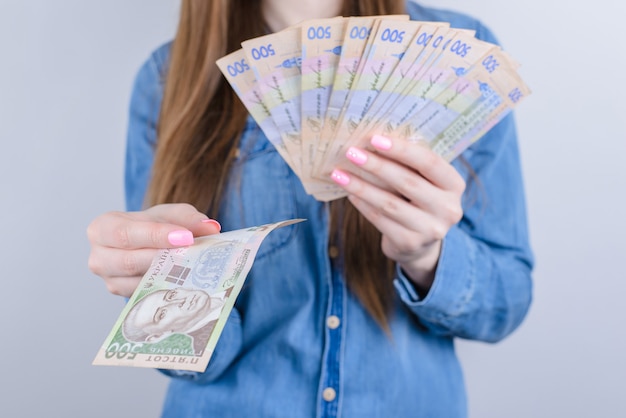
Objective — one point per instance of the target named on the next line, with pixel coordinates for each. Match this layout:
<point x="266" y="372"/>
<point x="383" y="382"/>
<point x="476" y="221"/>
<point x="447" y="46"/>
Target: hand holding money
<point x="420" y="202"/>
<point x="321" y="87"/>
<point x="123" y="244"/>
<point x="176" y="314"/>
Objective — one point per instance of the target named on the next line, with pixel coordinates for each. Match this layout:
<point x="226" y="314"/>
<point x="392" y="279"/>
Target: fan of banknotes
<point x="319" y="87"/>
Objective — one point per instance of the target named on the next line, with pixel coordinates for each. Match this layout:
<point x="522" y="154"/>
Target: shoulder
<point x="456" y="19"/>
<point x="148" y="85"/>
<point x="154" y="68"/>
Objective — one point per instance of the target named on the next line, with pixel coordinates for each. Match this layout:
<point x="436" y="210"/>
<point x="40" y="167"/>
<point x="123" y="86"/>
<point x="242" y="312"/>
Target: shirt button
<point x="333" y="252"/>
<point x="333" y="322"/>
<point x="329" y="394"/>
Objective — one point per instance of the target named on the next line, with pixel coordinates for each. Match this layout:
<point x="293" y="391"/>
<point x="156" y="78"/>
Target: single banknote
<point x="177" y="313"/>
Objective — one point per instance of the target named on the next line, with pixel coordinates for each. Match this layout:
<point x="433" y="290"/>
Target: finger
<point x="406" y="241"/>
<point x="382" y="204"/>
<point x="122" y="286"/>
<point x="406" y="182"/>
<point x="185" y="215"/>
<point x="147" y="229"/>
<point x="182" y="214"/>
<point x="418" y="157"/>
<point x="125" y="231"/>
<point x="112" y="262"/>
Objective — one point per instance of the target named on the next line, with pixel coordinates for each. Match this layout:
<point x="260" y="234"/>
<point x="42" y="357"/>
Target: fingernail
<point x="340" y="177"/>
<point x="356" y="156"/>
<point x="180" y="237"/>
<point x="213" y="222"/>
<point x="381" y="142"/>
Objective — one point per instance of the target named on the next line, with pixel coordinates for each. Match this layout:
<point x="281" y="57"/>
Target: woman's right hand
<point x="123" y="244"/>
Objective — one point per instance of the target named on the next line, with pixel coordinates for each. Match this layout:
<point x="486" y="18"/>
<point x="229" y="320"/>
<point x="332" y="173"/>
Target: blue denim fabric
<point x="277" y="356"/>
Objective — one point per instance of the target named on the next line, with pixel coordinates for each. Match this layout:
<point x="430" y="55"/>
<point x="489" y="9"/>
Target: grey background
<point x="66" y="69"/>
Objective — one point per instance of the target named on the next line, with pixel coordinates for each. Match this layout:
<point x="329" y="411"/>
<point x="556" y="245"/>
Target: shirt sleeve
<point x="141" y="141"/>
<point x="145" y="104"/>
<point x="482" y="286"/>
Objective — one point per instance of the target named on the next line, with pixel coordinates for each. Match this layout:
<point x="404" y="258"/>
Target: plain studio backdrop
<point x="66" y="69"/>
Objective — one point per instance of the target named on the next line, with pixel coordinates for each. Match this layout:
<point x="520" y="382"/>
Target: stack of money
<point x="319" y="87"/>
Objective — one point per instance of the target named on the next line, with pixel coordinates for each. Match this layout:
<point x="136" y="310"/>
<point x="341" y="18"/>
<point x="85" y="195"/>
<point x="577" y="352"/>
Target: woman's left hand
<point x="420" y="203"/>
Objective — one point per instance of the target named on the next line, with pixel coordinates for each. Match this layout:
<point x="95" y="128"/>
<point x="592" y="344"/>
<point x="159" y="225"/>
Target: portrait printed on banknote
<point x="179" y="310"/>
<point x="184" y="311"/>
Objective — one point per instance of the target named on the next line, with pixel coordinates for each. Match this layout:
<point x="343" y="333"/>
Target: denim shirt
<point x="298" y="343"/>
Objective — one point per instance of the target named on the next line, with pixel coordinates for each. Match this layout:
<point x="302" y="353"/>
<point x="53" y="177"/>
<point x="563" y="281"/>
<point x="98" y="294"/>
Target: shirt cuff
<point x="453" y="286"/>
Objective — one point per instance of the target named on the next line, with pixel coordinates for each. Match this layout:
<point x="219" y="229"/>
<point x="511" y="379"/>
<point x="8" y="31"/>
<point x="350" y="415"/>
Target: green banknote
<point x="177" y="313"/>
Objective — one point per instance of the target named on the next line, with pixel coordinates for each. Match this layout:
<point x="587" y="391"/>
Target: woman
<point x="353" y="312"/>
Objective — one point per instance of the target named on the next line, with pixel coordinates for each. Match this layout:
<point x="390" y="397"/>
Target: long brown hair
<point x="202" y="119"/>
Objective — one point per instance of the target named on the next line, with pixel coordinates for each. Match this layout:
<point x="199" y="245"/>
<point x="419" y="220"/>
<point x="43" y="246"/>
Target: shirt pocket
<point x="261" y="189"/>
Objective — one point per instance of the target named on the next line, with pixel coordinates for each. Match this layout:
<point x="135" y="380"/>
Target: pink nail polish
<point x="180" y="238"/>
<point x="213" y="222"/>
<point x="356" y="156"/>
<point x="381" y="142"/>
<point x="340" y="177"/>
